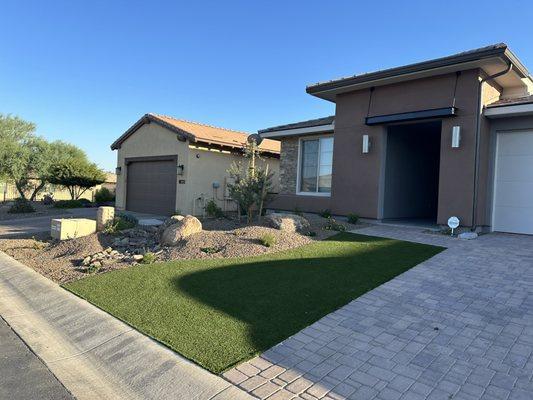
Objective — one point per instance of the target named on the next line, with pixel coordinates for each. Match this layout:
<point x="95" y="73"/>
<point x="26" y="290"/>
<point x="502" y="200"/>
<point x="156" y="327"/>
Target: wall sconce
<point x="366" y="144"/>
<point x="181" y="168"/>
<point x="456" y="137"/>
<point x="118" y="170"/>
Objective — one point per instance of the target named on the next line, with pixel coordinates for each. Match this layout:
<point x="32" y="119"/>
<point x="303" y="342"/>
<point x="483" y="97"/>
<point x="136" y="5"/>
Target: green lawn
<point x="220" y="312"/>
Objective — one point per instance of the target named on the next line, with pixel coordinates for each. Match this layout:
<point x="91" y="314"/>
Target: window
<point x="316" y="159"/>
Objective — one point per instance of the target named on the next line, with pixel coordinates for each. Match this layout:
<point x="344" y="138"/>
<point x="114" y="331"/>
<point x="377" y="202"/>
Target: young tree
<point x="252" y="183"/>
<point x="77" y="174"/>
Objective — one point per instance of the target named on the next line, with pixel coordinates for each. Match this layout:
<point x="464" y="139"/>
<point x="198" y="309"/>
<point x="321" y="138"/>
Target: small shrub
<point x="103" y="195"/>
<point x="121" y="222"/>
<point x="94" y="267"/>
<point x="68" y="204"/>
<point x="333" y="225"/>
<point x="37" y="244"/>
<point x="210" y="250"/>
<point x="268" y="240"/>
<point x="149" y="258"/>
<point x="213" y="210"/>
<point x="48" y="199"/>
<point x="21" y="206"/>
<point x="86" y="202"/>
<point x="297" y="211"/>
<point x="311" y="234"/>
<point x="353" y="218"/>
<point x="325" y="213"/>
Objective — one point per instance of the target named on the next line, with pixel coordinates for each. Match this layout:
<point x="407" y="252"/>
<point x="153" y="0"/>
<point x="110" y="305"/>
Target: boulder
<point x="168" y="222"/>
<point x="180" y="229"/>
<point x="288" y="222"/>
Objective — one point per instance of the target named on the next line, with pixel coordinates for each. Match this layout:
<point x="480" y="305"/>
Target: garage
<point x="151" y="185"/>
<point x="513" y="185"/>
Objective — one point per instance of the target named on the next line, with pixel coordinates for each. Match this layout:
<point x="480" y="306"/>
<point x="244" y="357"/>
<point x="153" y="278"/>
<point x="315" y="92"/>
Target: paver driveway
<point x="458" y="326"/>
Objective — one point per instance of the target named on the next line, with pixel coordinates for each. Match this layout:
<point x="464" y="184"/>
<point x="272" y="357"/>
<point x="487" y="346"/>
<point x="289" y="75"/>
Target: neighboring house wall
<point x="8" y="191"/>
<point x="358" y="178"/>
<point x="195" y="187"/>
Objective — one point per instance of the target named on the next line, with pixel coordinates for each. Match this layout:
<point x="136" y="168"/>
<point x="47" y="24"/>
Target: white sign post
<point x="453" y="223"/>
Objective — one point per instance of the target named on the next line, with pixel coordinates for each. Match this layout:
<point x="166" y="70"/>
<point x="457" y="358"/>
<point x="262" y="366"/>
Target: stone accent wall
<point x="288" y="165"/>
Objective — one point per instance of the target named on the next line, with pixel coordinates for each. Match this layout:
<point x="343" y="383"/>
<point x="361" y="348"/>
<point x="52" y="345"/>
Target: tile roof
<point x="512" y="102"/>
<point x="303" y="124"/>
<point x="198" y="132"/>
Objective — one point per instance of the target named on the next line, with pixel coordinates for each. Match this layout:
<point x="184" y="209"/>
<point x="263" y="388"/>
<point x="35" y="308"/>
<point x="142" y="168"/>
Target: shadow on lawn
<point x="279" y="297"/>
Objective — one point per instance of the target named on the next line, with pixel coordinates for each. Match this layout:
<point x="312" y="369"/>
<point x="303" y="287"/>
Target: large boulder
<point x="180" y="229"/>
<point x="168" y="222"/>
<point x="288" y="222"/>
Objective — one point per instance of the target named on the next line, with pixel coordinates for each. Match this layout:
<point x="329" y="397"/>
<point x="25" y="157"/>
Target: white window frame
<point x="299" y="169"/>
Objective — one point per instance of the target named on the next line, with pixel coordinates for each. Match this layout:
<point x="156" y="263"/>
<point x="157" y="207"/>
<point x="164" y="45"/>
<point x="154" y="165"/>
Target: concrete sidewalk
<point x="92" y="353"/>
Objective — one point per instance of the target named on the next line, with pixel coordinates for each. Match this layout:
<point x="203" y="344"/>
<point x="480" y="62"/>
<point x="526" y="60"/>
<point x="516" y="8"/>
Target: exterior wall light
<point x="181" y="168"/>
<point x="456" y="137"/>
<point x="366" y="144"/>
<point x="118" y="170"/>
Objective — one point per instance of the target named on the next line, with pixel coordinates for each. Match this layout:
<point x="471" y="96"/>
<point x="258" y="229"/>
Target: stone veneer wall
<point x="288" y="167"/>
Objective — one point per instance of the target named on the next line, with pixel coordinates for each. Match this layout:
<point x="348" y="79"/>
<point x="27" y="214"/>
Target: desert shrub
<point x="149" y="258"/>
<point x="92" y="268"/>
<point x="121" y="222"/>
<point x="325" y="213"/>
<point x="311" y="234"/>
<point x="104" y="195"/>
<point x="85" y="202"/>
<point x="21" y="206"/>
<point x="213" y="210"/>
<point x="268" y="240"/>
<point x="48" y="199"/>
<point x="37" y="244"/>
<point x="353" y="218"/>
<point x="210" y="250"/>
<point x="333" y="225"/>
<point x="68" y="204"/>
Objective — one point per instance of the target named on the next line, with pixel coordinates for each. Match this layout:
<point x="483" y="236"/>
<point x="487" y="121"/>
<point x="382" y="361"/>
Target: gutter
<point x="478" y="135"/>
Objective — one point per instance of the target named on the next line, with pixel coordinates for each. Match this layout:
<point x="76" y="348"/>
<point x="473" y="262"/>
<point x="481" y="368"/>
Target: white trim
<point x="494" y="180"/>
<point x="509" y="111"/>
<point x="298" y="170"/>
<point x="300" y="131"/>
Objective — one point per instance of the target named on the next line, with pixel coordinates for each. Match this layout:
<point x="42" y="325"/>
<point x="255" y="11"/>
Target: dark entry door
<point x="151" y="186"/>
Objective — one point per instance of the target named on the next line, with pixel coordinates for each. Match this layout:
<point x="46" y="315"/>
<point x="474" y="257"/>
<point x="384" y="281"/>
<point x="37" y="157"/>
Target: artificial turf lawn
<point x="219" y="312"/>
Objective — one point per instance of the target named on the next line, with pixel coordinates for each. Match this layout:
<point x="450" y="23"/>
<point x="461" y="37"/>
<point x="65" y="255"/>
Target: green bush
<point x="213" y="210"/>
<point x="210" y="250"/>
<point x="21" y="206"/>
<point x="333" y="225"/>
<point x="149" y="258"/>
<point x="68" y="204"/>
<point x="268" y="240"/>
<point x="121" y="222"/>
<point x="325" y="213"/>
<point x="353" y="218"/>
<point x="104" y="195"/>
<point x="91" y="269"/>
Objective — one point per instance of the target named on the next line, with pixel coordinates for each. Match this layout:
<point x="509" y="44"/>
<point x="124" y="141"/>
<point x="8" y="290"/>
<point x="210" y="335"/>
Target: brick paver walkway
<point x="458" y="326"/>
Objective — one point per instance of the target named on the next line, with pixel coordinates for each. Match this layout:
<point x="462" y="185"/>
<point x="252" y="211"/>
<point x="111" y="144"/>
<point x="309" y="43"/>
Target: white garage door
<point x="513" y="197"/>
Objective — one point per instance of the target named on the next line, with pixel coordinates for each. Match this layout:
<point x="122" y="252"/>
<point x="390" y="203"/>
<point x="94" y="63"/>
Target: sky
<point x="85" y="71"/>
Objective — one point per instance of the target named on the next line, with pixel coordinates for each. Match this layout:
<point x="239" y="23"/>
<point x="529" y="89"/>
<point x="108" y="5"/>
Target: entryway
<point x="411" y="185"/>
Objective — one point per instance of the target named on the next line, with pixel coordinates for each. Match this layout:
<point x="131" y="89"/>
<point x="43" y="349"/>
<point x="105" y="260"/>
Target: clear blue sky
<point x="84" y="71"/>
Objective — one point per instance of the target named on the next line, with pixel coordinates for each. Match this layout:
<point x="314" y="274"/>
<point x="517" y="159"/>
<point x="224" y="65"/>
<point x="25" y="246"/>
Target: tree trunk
<point x="37" y="190"/>
<point x="20" y="189"/>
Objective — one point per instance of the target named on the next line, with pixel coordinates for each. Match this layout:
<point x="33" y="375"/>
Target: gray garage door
<point x="151" y="187"/>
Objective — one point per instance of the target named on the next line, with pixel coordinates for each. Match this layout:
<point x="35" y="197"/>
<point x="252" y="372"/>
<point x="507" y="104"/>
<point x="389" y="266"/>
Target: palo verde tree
<point x="77" y="175"/>
<point x="252" y="182"/>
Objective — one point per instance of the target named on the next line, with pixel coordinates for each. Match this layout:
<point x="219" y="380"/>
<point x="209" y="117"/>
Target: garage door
<point x="513" y="197"/>
<point x="151" y="186"/>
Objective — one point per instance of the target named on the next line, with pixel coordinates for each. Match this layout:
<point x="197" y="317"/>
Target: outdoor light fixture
<point x="181" y="167"/>
<point x="366" y="144"/>
<point x="456" y="137"/>
<point x="118" y="170"/>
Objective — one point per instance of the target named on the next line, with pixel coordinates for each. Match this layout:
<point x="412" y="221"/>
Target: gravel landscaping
<point x="74" y="259"/>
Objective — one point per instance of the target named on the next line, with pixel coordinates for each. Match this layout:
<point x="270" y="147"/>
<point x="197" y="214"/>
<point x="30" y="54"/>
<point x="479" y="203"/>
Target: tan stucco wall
<point x="199" y="173"/>
<point x="149" y="140"/>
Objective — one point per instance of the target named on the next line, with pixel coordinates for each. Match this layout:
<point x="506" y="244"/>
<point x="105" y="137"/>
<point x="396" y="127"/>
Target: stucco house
<point x="167" y="165"/>
<point x="446" y="137"/>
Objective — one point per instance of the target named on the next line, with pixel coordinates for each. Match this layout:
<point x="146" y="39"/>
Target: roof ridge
<point x="198" y="123"/>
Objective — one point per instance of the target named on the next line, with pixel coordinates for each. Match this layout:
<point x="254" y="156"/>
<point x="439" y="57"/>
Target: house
<point x="446" y="137"/>
<point x="167" y="165"/>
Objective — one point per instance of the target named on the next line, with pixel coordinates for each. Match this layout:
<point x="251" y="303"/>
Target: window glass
<point x="316" y="165"/>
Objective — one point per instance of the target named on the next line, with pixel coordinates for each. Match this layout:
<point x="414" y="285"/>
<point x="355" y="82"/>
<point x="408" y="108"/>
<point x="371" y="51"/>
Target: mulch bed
<point x="220" y="238"/>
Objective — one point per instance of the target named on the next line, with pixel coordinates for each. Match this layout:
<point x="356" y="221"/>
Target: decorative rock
<point x="104" y="216"/>
<point x="96" y="264"/>
<point x="468" y="235"/>
<point x="138" y="257"/>
<point x="180" y="229"/>
<point x="86" y="260"/>
<point x="288" y="222"/>
<point x="168" y="222"/>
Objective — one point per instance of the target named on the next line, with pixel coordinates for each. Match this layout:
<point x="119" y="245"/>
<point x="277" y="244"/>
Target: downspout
<point x="478" y="135"/>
